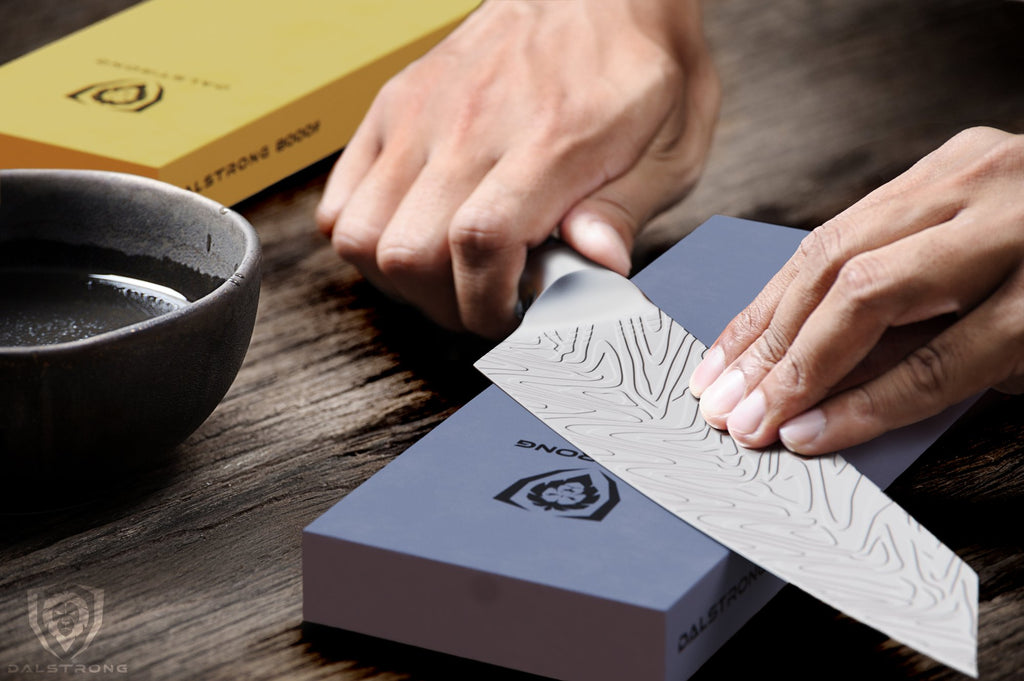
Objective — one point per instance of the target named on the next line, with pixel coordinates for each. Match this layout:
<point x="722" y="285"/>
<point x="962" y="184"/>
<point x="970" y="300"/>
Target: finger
<point x="604" y="224"/>
<point x="923" y="196"/>
<point x="515" y="207"/>
<point x="604" y="241"/>
<point x="761" y="335"/>
<point x="738" y="335"/>
<point x="414" y="252"/>
<point x="940" y="271"/>
<point x="352" y="166"/>
<point x="981" y="349"/>
<point x="370" y="208"/>
<point x="895" y="344"/>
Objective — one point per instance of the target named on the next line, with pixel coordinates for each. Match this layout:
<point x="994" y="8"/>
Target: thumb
<point x="604" y="225"/>
<point x="599" y="236"/>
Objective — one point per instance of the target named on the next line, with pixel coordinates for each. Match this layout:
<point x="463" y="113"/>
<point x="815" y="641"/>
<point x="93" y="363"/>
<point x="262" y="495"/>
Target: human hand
<point x="930" y="265"/>
<point x="588" y="116"/>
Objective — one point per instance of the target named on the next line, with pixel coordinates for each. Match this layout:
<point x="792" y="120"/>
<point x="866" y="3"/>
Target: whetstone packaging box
<point x="454" y="546"/>
<point x="223" y="97"/>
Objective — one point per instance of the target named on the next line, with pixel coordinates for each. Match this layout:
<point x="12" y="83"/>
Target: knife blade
<point x="606" y="369"/>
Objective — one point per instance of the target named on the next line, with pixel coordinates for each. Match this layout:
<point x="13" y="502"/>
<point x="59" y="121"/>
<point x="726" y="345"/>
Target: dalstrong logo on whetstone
<point x="568" y="493"/>
<point x="127" y="94"/>
<point x="65" y="620"/>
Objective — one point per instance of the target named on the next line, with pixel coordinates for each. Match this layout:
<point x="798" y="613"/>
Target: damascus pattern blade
<point x="616" y="388"/>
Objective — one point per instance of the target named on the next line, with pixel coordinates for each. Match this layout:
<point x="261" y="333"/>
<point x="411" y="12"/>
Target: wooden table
<point x="200" y="561"/>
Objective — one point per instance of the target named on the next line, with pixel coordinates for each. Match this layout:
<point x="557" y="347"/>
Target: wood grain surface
<point x="200" y="559"/>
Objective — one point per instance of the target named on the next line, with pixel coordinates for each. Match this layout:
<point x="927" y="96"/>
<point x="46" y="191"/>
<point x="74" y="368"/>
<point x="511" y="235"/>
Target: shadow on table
<point x="443" y="359"/>
<point x="42" y="513"/>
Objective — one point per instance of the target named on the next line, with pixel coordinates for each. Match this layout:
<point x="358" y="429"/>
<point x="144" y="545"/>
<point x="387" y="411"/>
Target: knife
<point x="607" y="370"/>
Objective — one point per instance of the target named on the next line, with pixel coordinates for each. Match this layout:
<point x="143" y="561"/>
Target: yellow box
<point x="223" y="97"/>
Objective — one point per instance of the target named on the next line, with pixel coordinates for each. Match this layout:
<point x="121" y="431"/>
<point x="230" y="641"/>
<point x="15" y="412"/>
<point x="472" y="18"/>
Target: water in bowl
<point x="46" y="305"/>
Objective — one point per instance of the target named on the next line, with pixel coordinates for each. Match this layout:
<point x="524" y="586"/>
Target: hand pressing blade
<point x="607" y="370"/>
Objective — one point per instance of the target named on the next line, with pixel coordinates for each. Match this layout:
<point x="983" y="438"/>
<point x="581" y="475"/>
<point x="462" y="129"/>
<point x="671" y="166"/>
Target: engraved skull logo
<point x="570" y="493"/>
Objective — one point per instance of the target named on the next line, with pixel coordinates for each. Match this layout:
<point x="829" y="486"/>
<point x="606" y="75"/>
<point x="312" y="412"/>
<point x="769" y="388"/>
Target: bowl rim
<point x="247" y="268"/>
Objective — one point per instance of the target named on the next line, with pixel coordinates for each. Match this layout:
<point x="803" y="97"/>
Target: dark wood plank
<point x="200" y="559"/>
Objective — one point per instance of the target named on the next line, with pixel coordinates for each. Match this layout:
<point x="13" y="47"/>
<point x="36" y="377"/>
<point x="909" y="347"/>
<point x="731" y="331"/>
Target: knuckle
<point x="861" y="284"/>
<point x="974" y="136"/>
<point x="864" y="404"/>
<point x="995" y="152"/>
<point x="1005" y="154"/>
<point x="396" y="91"/>
<point x="408" y="92"/>
<point x="754" y="316"/>
<point x="823" y="248"/>
<point x="664" y="75"/>
<point x="394" y="87"/>
<point x="353" y="242"/>
<point x="745" y="328"/>
<point x="927" y="371"/>
<point x="475" y="230"/>
<point x="796" y="375"/>
<point x="414" y="77"/>
<point x="400" y="260"/>
<point x="946" y="170"/>
<point x="772" y="345"/>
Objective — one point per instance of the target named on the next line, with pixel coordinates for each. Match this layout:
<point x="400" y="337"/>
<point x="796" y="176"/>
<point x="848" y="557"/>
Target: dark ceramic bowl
<point x="79" y="411"/>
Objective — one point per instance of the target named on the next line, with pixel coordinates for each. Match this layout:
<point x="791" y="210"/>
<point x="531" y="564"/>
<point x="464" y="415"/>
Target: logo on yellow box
<point x="127" y="94"/>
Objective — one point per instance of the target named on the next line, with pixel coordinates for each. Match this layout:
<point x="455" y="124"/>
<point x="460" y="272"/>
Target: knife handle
<point x="545" y="265"/>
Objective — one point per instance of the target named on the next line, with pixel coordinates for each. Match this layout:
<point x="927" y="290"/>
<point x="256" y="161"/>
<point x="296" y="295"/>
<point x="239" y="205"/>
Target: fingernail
<point x="722" y="395"/>
<point x="800" y="432"/>
<point x="748" y="414"/>
<point x="709" y="369"/>
<point x="596" y="236"/>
